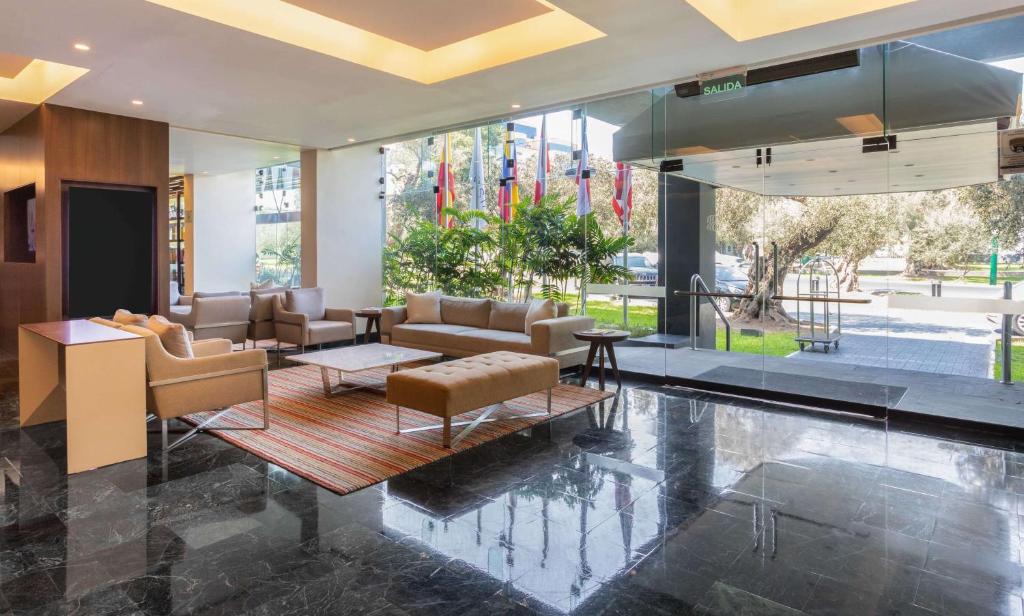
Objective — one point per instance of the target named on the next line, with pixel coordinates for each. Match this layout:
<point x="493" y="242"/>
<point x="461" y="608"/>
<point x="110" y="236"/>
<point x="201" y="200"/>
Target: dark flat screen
<point x="109" y="260"/>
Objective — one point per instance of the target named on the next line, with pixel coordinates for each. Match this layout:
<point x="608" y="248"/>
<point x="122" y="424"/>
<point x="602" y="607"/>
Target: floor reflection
<point x="656" y="501"/>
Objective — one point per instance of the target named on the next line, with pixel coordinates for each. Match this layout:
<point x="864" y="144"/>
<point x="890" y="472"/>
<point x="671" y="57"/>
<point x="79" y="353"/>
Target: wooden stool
<point x="600" y="343"/>
<point x="372" y="316"/>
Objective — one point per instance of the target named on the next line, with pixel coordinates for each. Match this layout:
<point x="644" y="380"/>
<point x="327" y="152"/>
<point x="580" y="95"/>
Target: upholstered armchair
<point x="216" y="378"/>
<point x="261" y="314"/>
<point x="220" y="316"/>
<point x="301" y="317"/>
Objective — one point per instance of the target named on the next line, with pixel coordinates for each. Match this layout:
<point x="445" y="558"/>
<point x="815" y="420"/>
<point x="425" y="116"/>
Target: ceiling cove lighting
<point x="745" y="20"/>
<point x="282" y="21"/>
<point x="38" y="81"/>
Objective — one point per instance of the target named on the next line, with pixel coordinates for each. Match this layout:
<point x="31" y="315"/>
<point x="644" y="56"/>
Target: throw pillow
<point x="423" y="307"/>
<point x="125" y="317"/>
<point x="173" y="336"/>
<point x="538" y="311"/>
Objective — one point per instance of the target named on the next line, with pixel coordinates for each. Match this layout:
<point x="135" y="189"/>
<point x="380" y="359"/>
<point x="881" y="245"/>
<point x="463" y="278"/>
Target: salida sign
<point x="732" y="84"/>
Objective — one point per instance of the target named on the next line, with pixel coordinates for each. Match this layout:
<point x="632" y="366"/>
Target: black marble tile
<point x="657" y="502"/>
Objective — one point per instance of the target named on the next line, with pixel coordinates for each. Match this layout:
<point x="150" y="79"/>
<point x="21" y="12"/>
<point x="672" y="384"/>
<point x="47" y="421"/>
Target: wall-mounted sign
<point x="731" y="84"/>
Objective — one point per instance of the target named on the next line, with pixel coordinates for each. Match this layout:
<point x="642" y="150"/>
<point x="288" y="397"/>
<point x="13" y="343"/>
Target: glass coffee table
<point x="353" y="359"/>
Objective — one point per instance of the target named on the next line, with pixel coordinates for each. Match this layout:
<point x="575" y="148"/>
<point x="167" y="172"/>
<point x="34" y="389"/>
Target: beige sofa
<point x="475" y="326"/>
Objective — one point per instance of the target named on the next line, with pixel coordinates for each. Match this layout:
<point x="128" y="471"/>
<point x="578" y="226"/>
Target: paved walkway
<point x="898" y="343"/>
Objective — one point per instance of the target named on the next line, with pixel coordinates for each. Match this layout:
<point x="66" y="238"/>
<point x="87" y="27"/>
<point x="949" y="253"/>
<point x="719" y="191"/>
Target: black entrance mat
<point x="871" y="394"/>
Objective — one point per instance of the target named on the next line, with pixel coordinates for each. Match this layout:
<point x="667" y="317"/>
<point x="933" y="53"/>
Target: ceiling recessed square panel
<point x="37" y="80"/>
<point x="397" y="50"/>
<point x="426" y="24"/>
<point x="744" y="20"/>
<point x="11" y="65"/>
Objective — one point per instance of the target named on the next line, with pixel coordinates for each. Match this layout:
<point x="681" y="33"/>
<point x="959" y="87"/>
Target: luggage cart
<point x="817" y="286"/>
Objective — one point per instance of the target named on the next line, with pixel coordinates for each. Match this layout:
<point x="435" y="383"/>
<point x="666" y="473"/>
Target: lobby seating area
<point x="522" y="308"/>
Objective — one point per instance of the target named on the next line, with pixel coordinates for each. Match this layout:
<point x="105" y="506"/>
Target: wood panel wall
<point x="22" y="293"/>
<point x="56" y="144"/>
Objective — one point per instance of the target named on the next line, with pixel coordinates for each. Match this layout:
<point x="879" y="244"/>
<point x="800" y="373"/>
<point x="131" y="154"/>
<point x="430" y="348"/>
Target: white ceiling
<point x="927" y="159"/>
<point x="201" y="75"/>
<point x="205" y="153"/>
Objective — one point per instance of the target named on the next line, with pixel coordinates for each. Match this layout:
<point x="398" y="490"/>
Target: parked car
<point x="729" y="279"/>
<point x="1018" y="319"/>
<point x="644" y="272"/>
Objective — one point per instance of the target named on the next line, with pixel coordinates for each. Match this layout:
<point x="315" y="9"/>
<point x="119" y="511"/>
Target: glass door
<point x="715" y="266"/>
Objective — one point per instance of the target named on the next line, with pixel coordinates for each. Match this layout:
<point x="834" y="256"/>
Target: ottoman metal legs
<point x="485" y="416"/>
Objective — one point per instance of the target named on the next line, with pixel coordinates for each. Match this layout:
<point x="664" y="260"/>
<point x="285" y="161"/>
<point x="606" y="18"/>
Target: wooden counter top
<point x="70" y="333"/>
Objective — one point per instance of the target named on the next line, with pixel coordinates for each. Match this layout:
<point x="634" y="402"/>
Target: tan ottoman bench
<point x="462" y="385"/>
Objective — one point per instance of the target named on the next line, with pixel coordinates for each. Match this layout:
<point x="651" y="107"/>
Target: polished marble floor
<point x="660" y="502"/>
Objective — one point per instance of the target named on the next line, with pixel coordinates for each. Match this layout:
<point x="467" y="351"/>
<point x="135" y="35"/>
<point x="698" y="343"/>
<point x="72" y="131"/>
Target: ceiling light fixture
<point x="82" y="47"/>
<point x="516" y="105"/>
<point x="351" y="140"/>
<point x="136" y="102"/>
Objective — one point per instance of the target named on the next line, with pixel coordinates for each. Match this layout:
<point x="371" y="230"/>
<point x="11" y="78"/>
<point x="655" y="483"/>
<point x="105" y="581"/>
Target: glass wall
<point x="278" y="205"/>
<point x="840" y="229"/>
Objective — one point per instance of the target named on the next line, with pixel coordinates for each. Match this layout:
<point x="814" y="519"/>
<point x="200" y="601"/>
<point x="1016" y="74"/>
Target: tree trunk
<point x="849" y="274"/>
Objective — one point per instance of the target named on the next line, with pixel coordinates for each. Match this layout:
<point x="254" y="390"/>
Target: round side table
<point x="372" y="316"/>
<point x="600" y="344"/>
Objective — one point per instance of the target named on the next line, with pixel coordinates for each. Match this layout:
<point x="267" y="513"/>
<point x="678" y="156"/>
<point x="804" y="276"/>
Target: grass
<point x="778" y="344"/>
<point x="1017" y="352"/>
<point x="643" y="320"/>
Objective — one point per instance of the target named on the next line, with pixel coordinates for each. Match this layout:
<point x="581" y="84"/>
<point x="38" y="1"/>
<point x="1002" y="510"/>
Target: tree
<point x="867" y="223"/>
<point x="1000" y="208"/>
<point x="944" y="234"/>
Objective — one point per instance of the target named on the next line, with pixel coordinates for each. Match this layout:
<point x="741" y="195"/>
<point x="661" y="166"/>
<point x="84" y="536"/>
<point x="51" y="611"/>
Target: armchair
<point x="215" y="317"/>
<point x="302" y="318"/>
<point x="215" y="379"/>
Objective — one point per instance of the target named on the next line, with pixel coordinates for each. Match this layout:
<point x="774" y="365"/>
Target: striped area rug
<point x="348" y="442"/>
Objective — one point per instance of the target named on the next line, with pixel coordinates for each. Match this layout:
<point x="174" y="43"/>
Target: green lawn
<point x="643" y="320"/>
<point x="779" y="344"/>
<point x="1017" y="371"/>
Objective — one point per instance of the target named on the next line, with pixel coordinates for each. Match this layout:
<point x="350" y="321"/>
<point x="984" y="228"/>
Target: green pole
<point x="993" y="262"/>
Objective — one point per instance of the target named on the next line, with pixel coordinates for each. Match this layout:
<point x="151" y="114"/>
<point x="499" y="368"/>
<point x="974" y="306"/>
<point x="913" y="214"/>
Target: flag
<point x="540" y="188"/>
<point x="445" y="185"/>
<point x="476" y="178"/>
<point x="622" y="196"/>
<point x="583" y="175"/>
<point x="508" y="192"/>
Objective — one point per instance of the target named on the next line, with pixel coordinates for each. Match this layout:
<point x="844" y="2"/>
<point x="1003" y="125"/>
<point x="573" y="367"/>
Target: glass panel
<point x="278" y="224"/>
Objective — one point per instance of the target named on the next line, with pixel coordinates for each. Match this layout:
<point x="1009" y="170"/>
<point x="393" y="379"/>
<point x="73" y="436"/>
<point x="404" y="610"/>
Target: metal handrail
<point x="694" y="299"/>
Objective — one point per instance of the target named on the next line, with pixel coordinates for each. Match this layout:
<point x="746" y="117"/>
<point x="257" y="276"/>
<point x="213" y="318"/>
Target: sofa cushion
<point x="310" y="302"/>
<point x="173" y="336"/>
<point x="181" y="310"/>
<point x="423" y="307"/>
<point x="488" y="340"/>
<point x="218" y="294"/>
<point x="561" y="309"/>
<point x="261" y="303"/>
<point x="465" y="311"/>
<point x="125" y="317"/>
<point x="429" y="334"/>
<point x="329" y="331"/>
<point x="538" y="311"/>
<point x="508" y="316"/>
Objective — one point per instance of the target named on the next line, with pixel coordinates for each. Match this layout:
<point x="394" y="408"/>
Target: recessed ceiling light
<point x="351" y="140"/>
<point x="918" y="175"/>
<point x="735" y="166"/>
<point x="277" y="158"/>
<point x="516" y="105"/>
<point x="810" y="160"/>
<point x="136" y="102"/>
<point x="205" y="172"/>
<point x="82" y="47"/>
<point x="909" y="165"/>
<point x="833" y="170"/>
